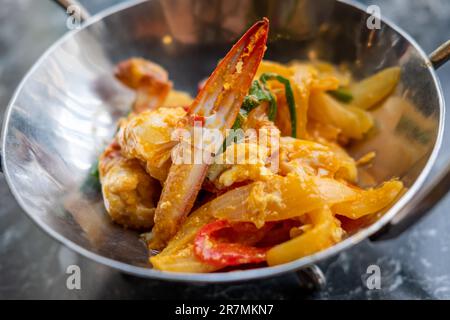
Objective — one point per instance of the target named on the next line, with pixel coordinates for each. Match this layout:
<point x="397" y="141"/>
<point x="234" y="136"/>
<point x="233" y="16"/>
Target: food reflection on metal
<point x="101" y="234"/>
<point x="188" y="20"/>
<point x="149" y="80"/>
<point x="400" y="140"/>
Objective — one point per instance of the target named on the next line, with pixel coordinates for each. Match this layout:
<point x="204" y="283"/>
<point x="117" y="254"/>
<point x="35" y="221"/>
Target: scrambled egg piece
<point x="316" y="159"/>
<point x="248" y="163"/>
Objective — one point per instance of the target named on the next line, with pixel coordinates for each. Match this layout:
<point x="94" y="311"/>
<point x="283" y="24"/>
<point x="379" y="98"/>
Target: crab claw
<point x="218" y="104"/>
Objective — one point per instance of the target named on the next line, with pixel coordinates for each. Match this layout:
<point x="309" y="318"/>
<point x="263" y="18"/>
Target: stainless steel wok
<point x="66" y="107"/>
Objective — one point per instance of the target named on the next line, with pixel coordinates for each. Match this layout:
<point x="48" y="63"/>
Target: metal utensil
<point x="66" y="107"/>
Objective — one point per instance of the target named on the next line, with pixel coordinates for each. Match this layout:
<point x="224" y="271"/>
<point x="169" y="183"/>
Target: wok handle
<point x="68" y="4"/>
<point x="432" y="193"/>
<point x="441" y="55"/>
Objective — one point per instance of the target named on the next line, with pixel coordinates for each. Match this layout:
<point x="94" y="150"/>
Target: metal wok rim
<point x="223" y="277"/>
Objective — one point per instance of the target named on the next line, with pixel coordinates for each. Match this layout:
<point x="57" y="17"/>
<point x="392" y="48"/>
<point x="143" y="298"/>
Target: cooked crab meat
<point x="148" y="137"/>
<point x="129" y="193"/>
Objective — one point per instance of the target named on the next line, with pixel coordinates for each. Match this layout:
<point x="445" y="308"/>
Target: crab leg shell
<point x="219" y="103"/>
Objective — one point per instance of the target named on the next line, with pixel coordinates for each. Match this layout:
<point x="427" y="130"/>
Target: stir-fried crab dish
<point x="269" y="181"/>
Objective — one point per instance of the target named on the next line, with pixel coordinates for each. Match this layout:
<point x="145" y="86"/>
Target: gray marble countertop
<point x="32" y="265"/>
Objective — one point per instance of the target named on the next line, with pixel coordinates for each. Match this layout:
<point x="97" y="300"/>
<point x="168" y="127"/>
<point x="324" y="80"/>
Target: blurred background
<point x="33" y="266"/>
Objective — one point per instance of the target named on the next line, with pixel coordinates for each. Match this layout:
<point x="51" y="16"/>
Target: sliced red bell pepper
<point x="210" y="249"/>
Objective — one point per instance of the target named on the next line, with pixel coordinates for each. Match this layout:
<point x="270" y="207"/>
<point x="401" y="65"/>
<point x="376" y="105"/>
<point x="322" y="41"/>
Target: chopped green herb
<point x="341" y="95"/>
<point x="235" y="135"/>
<point x="250" y="102"/>
<point x="289" y="99"/>
<point x="94" y="170"/>
<point x="92" y="184"/>
<point x="256" y="95"/>
<point x="272" y="113"/>
<point x="240" y="119"/>
<point x="259" y="93"/>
